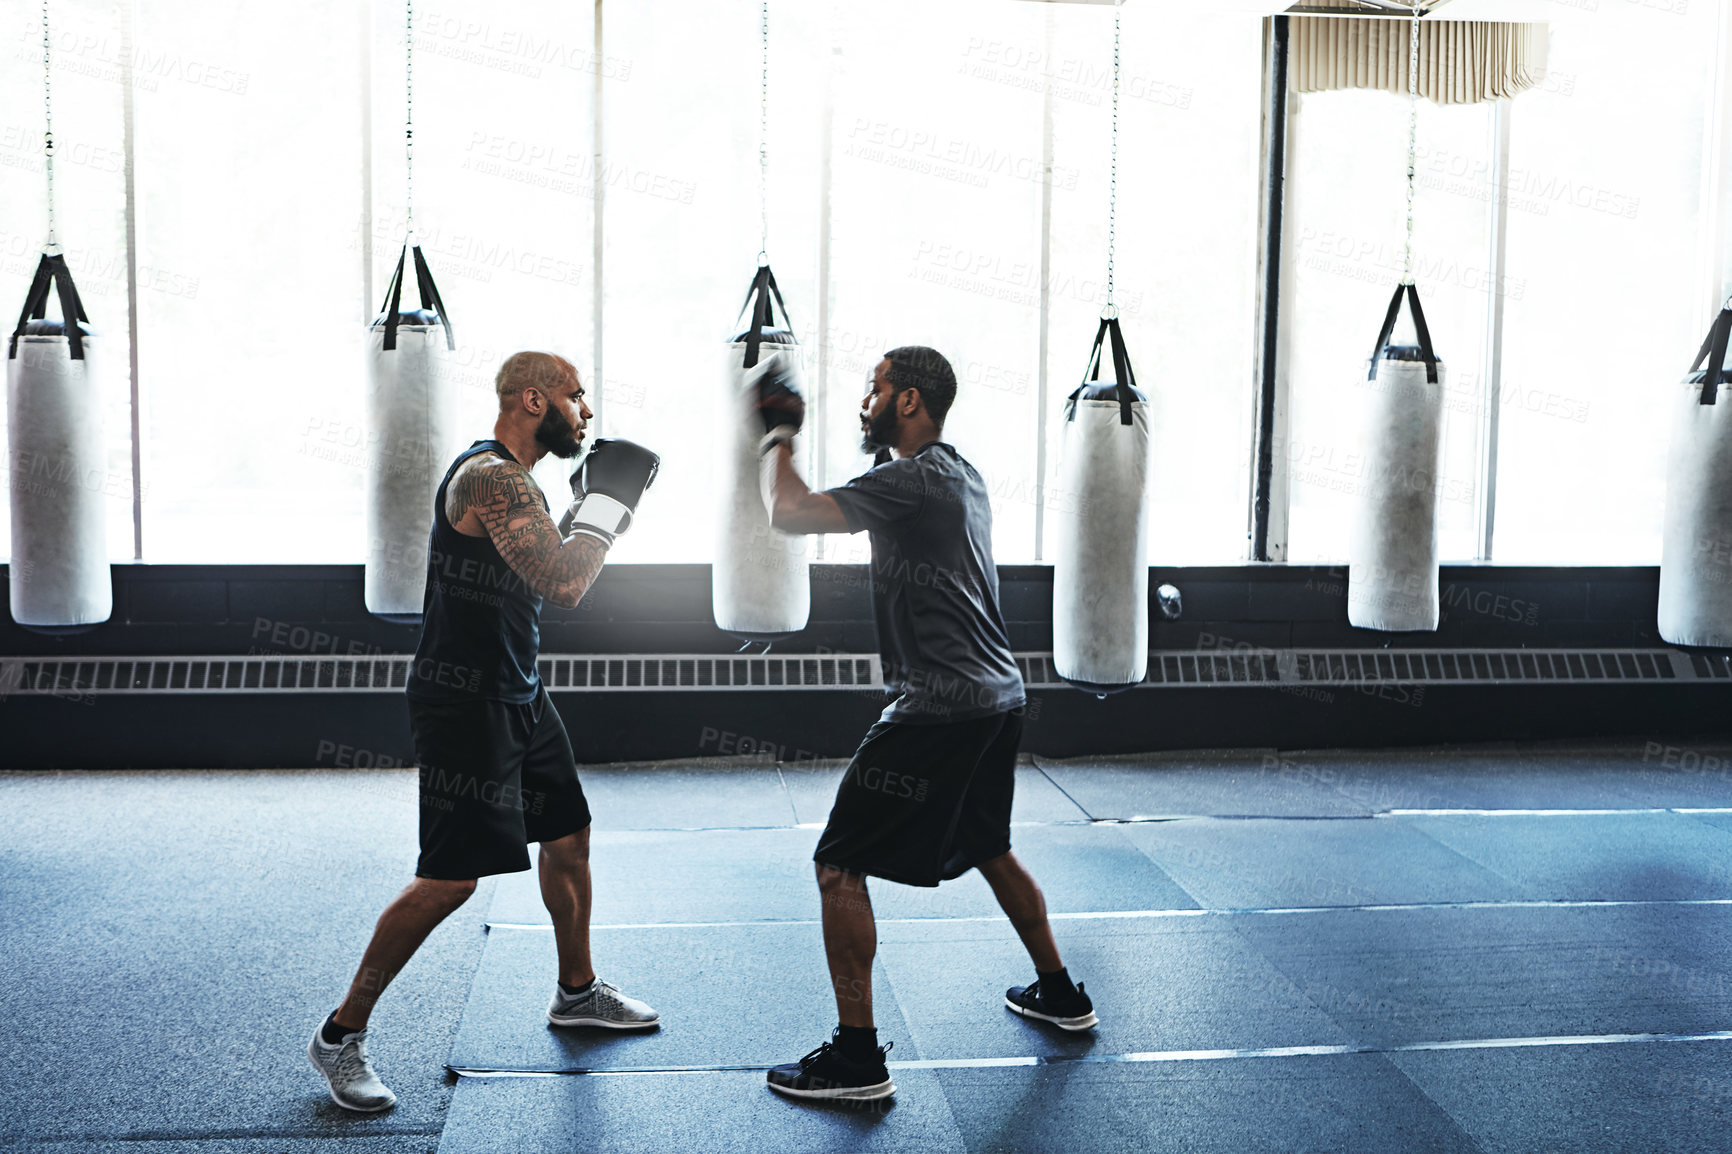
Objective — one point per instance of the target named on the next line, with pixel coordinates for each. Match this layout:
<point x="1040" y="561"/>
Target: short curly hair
<point x="918" y="367"/>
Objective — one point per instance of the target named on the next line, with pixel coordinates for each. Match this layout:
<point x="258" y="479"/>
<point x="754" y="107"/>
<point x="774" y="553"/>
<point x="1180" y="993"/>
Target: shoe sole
<point x="1081" y="1023"/>
<point x="604" y="1023"/>
<point x="845" y="1094"/>
<point x="380" y="1109"/>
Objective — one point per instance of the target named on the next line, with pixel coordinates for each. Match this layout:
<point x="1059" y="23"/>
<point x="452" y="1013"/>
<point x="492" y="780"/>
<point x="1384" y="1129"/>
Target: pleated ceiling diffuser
<point x="1460" y="61"/>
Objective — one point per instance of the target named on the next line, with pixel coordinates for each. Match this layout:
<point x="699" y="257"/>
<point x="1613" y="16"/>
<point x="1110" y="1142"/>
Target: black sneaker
<point x="827" y="1073"/>
<point x="1071" y="1011"/>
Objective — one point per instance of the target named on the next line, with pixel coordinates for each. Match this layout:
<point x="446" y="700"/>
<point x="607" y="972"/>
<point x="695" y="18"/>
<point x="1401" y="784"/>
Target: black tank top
<point x="481" y="622"/>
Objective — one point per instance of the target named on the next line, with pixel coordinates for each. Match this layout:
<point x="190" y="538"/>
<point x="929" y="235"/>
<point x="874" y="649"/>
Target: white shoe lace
<point x="352" y="1064"/>
<point x="598" y="990"/>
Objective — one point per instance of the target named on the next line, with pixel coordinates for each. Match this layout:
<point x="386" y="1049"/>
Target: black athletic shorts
<point x="494" y="777"/>
<point x="922" y="804"/>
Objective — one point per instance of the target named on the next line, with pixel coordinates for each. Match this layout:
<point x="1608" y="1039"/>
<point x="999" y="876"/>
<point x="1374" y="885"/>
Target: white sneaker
<point x="603" y="1005"/>
<point x="348" y="1071"/>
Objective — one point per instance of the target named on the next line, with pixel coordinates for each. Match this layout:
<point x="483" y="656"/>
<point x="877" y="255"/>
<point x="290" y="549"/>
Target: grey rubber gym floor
<point x="1489" y="949"/>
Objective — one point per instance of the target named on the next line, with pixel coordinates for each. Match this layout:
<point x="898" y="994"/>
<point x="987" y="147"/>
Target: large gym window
<point x="1346" y="207"/>
<point x="91" y="191"/>
<point x="947" y="188"/>
<point x="1614" y="270"/>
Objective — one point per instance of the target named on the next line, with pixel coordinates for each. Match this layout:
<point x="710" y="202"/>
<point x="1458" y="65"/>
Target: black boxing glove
<point x="607" y="485"/>
<point x="777" y="399"/>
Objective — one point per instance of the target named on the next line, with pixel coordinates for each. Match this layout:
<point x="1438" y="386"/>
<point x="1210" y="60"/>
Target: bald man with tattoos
<point x="497" y="770"/>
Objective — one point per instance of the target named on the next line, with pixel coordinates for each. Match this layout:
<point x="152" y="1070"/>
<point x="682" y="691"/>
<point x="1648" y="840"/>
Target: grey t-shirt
<point x="941" y="637"/>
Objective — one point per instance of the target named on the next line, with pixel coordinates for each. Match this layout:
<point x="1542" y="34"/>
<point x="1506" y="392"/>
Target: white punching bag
<point x="412" y="420"/>
<point x="760" y="585"/>
<point x="1392" y="557"/>
<point x="1696" y="557"/>
<point x="59" y="571"/>
<point x="1100" y="568"/>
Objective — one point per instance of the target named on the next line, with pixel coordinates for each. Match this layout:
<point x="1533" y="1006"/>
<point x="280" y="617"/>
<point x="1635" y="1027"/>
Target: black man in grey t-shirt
<point x="927" y="796"/>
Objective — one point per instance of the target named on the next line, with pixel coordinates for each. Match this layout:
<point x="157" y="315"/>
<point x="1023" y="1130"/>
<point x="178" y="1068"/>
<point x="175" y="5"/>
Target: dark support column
<point x="1275" y="178"/>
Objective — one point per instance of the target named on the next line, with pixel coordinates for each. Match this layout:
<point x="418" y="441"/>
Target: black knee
<point x="831" y="879"/>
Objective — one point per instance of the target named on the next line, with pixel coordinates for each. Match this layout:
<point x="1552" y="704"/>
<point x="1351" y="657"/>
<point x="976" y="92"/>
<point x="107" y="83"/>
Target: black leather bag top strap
<point x="1411" y="292"/>
<point x="1713" y="351"/>
<point x="1127" y="380"/>
<point x="1425" y="349"/>
<point x="430" y="297"/>
<point x="1383" y="333"/>
<point x="762" y="298"/>
<point x="1109" y="336"/>
<point x="391" y="314"/>
<point x="52" y="273"/>
<point x="393" y="302"/>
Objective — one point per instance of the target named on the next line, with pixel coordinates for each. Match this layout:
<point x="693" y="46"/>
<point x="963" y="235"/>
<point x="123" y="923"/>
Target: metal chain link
<point x="409" y="120"/>
<point x="48" y="127"/>
<point x="1111" y="310"/>
<point x="764" y="134"/>
<point x="1412" y="135"/>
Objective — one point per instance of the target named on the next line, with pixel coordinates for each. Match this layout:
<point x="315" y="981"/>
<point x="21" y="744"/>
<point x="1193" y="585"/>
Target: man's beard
<point x="880" y="431"/>
<point x="557" y="435"/>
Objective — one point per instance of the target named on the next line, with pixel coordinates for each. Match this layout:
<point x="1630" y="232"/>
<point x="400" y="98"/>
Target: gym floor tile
<point x="1666" y="774"/>
<point x="1232" y="783"/>
<point x="716" y="1112"/>
<point x="1595" y="857"/>
<point x="1081" y="869"/>
<point x="722" y="875"/>
<point x="422" y="1141"/>
<point x="813" y="790"/>
<point x="1719" y="821"/>
<point x="1279" y="863"/>
<point x="1451" y="778"/>
<point x="767" y="875"/>
<point x="1665" y="1098"/>
<point x="729" y="995"/>
<point x="676" y="798"/>
<point x="1157" y="984"/>
<point x="164" y="981"/>
<point x="1354" y="1102"/>
<point x="1399" y="976"/>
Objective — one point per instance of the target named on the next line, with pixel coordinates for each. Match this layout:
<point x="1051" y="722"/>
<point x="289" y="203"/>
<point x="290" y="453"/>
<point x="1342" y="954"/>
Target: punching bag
<point x="1100" y="567"/>
<point x="1696" y="556"/>
<point x="1392" y="558"/>
<point x="412" y="420"/>
<point x="59" y="569"/>
<point x="760" y="587"/>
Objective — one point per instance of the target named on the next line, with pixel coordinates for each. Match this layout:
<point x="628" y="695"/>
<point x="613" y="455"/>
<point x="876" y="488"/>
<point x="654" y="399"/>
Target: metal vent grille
<point x="1717" y="667"/>
<point x="1445" y="667"/>
<point x="641" y="671"/>
<point x="1324" y="667"/>
<point x="388" y="673"/>
<point x="638" y="672"/>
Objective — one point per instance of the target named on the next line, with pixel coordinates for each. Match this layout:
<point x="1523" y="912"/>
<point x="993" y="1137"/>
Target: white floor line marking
<point x="1167" y="818"/>
<point x="1546" y="812"/>
<point x="1151" y="1056"/>
<point x="1120" y="915"/>
<point x="1161" y="818"/>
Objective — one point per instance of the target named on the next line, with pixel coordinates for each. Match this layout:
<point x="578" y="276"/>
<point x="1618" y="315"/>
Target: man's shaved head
<point x="544" y="371"/>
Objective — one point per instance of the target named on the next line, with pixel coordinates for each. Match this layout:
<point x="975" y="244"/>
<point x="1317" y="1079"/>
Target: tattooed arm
<point x="493" y="497"/>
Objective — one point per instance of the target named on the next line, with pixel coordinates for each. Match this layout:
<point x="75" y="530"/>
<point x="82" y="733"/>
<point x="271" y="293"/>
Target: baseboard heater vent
<point x="708" y="673"/>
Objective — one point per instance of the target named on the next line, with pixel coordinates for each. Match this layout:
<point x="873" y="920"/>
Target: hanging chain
<point x="48" y="128"/>
<point x="1412" y="135"/>
<point x="1111" y="310"/>
<point x="764" y="134"/>
<point x="409" y="119"/>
